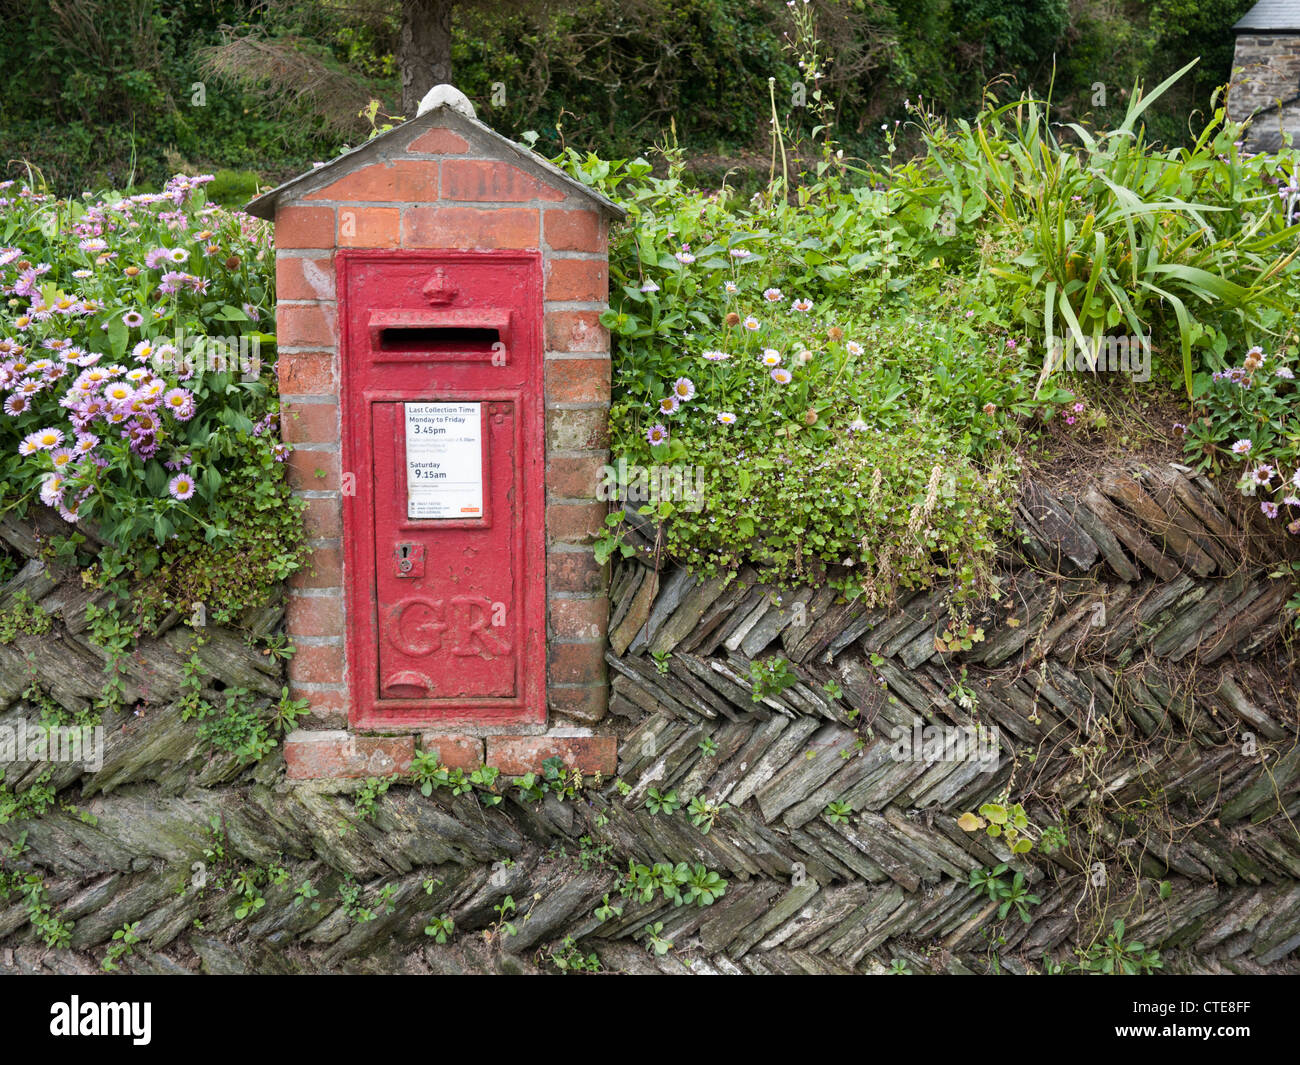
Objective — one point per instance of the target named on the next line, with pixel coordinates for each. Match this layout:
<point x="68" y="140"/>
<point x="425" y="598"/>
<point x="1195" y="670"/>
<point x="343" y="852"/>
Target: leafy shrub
<point x="847" y="370"/>
<point x="1104" y="233"/>
<point x="108" y="95"/>
<point x="1094" y="234"/>
<point x="138" y="401"/>
<point x="232" y="188"/>
<point x="580" y="72"/>
<point x="1247" y="420"/>
<point x="833" y="409"/>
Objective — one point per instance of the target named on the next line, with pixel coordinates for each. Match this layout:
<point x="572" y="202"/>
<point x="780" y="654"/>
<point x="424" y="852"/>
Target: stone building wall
<point x="1266" y="85"/>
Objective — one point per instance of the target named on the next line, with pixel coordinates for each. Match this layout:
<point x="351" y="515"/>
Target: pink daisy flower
<point x="180" y="403"/>
<point x="46" y="439"/>
<point x="52" y="490"/>
<point x="119" y="392"/>
<point x="181" y="486"/>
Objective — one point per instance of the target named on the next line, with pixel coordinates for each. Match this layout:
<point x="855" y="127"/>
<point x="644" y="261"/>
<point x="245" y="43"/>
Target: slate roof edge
<point x="1270" y="16"/>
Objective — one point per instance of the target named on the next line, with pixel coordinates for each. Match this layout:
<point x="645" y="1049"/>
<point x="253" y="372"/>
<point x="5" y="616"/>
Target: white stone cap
<point x="446" y="96"/>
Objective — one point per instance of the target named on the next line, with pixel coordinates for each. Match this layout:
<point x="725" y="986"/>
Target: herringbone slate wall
<point x="1136" y="668"/>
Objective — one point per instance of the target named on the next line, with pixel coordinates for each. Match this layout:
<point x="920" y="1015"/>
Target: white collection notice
<point x="444" y="460"/>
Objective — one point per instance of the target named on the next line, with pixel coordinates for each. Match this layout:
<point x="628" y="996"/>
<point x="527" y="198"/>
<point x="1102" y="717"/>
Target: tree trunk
<point x="423" y="49"/>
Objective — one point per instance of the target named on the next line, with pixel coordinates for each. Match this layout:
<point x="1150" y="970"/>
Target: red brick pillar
<point x="445" y="181"/>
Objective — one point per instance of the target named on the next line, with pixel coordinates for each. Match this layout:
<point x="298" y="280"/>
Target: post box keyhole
<point x="409" y="560"/>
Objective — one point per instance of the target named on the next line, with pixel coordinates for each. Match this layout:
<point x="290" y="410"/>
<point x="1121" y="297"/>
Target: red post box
<point x="445" y="379"/>
<point x="442" y="404"/>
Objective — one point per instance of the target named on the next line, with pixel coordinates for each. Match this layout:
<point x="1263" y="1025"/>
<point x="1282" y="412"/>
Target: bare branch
<point x="285" y="72"/>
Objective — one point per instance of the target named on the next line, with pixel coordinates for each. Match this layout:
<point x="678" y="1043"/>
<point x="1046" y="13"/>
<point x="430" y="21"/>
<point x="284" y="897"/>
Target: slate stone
<point x="1058" y="527"/>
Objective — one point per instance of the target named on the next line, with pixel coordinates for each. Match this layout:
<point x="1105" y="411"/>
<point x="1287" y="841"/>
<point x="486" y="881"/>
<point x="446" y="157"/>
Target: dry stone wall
<point x="1136" y="670"/>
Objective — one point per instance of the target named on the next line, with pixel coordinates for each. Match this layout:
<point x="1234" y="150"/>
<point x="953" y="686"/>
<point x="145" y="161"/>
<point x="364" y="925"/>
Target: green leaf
<point x="117" y="336"/>
<point x="155" y="478"/>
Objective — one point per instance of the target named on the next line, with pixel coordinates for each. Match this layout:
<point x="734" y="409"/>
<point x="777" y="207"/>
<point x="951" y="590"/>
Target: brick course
<point x="579" y="280"/>
<point x="577" y="380"/>
<point x="439" y="142"/>
<point x="515" y="755"/>
<point x="489" y="179"/>
<point x="470" y="228"/>
<point x="454" y="751"/>
<point x="335" y="754"/>
<point x="304" y="227"/>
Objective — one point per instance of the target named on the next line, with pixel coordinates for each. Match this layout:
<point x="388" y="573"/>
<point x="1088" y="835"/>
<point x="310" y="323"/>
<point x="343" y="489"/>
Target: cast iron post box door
<point x="443" y="427"/>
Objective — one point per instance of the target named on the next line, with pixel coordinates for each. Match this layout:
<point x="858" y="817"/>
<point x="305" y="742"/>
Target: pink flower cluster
<point x="100" y="400"/>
